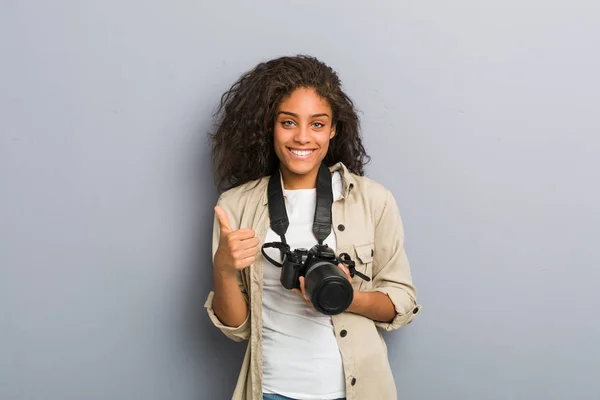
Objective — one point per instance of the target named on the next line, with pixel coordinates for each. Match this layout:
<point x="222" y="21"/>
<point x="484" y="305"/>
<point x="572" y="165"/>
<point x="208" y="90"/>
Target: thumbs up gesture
<point x="237" y="249"/>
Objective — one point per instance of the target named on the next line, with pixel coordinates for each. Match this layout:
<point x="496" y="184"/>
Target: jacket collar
<point x="348" y="181"/>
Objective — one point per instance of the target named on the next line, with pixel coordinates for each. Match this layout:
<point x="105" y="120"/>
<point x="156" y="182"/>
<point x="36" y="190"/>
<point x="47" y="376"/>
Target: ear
<point x="332" y="133"/>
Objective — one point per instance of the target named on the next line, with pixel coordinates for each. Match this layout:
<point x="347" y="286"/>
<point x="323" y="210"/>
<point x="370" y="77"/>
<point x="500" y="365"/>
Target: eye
<point x="287" y="123"/>
<point x="318" y="125"/>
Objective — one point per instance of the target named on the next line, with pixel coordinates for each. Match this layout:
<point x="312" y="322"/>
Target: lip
<point x="296" y="156"/>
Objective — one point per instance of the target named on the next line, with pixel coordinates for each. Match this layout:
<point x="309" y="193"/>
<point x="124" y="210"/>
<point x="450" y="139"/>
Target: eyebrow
<point x="296" y="115"/>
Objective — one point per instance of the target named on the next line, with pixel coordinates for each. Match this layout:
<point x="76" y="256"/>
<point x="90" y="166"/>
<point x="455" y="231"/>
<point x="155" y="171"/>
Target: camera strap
<point x="278" y="213"/>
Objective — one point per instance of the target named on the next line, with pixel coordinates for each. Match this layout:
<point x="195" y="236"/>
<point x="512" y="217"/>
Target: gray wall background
<point x="481" y="117"/>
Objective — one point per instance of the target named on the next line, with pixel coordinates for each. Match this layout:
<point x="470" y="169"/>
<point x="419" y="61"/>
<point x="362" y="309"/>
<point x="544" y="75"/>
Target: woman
<point x="286" y="118"/>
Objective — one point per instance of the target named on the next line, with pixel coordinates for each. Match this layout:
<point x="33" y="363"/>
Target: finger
<point x="242" y="248"/>
<point x="301" y="279"/>
<point x="245" y="243"/>
<point x="245" y="253"/>
<point x="308" y="302"/>
<point x="244" y="263"/>
<point x="242" y="234"/>
<point x="239" y="245"/>
<point x="301" y="293"/>
<point x="223" y="220"/>
<point x="346" y="271"/>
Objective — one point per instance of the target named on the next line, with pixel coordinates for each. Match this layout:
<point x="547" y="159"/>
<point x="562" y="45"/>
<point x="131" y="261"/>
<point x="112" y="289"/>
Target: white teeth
<point x="301" y="153"/>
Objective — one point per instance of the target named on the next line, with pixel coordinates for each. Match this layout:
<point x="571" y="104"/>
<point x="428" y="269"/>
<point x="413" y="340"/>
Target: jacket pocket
<point x="364" y="264"/>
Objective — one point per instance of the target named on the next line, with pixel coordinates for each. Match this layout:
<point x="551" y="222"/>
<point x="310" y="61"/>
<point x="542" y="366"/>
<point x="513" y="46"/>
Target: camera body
<point x="325" y="283"/>
<point x="298" y="262"/>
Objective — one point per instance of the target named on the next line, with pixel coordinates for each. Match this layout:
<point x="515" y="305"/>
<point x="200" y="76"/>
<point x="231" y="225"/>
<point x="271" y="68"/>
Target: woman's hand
<point x="302" y="291"/>
<point x="235" y="252"/>
<point x="237" y="249"/>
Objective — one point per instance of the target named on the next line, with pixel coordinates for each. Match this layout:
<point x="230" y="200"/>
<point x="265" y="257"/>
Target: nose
<point x="302" y="135"/>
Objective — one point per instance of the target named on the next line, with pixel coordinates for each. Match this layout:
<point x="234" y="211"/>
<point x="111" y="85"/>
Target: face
<point x="302" y="131"/>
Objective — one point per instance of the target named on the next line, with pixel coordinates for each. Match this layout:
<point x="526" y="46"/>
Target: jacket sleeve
<point x="237" y="333"/>
<point x="391" y="270"/>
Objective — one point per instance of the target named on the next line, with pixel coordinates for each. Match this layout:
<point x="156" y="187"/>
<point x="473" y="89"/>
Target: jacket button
<point x="415" y="310"/>
<point x="353" y="381"/>
<point x="343" y="333"/>
<point x="341" y="227"/>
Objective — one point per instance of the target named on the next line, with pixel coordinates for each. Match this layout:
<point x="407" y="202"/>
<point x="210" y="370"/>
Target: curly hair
<point x="242" y="144"/>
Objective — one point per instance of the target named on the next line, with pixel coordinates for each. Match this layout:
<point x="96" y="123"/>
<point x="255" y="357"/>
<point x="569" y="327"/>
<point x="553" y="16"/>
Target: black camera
<point x="325" y="283"/>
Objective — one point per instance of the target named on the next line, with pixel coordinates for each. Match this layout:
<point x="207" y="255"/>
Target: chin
<point x="301" y="168"/>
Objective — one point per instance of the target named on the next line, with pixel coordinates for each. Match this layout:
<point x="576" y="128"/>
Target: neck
<point x="292" y="181"/>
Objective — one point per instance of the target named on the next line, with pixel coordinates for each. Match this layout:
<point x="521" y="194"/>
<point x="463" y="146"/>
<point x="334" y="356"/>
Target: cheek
<point x="324" y="142"/>
<point x="278" y="140"/>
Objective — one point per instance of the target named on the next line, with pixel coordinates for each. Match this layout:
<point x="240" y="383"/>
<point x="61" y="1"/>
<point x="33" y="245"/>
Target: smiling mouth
<point x="301" y="153"/>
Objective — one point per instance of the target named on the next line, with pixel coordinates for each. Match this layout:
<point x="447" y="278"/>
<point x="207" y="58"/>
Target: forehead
<point x="305" y="101"/>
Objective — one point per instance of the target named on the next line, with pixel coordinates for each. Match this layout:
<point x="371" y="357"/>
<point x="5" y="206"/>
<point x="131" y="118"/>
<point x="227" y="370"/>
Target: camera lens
<point x="328" y="288"/>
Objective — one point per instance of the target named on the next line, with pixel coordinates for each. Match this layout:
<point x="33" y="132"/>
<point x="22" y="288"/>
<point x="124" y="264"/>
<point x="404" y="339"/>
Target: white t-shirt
<point x="301" y="358"/>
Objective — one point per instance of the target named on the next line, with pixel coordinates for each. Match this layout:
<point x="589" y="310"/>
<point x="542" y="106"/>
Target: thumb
<point x="223" y="220"/>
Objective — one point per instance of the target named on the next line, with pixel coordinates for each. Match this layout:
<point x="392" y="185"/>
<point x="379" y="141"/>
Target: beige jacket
<point x="367" y="226"/>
